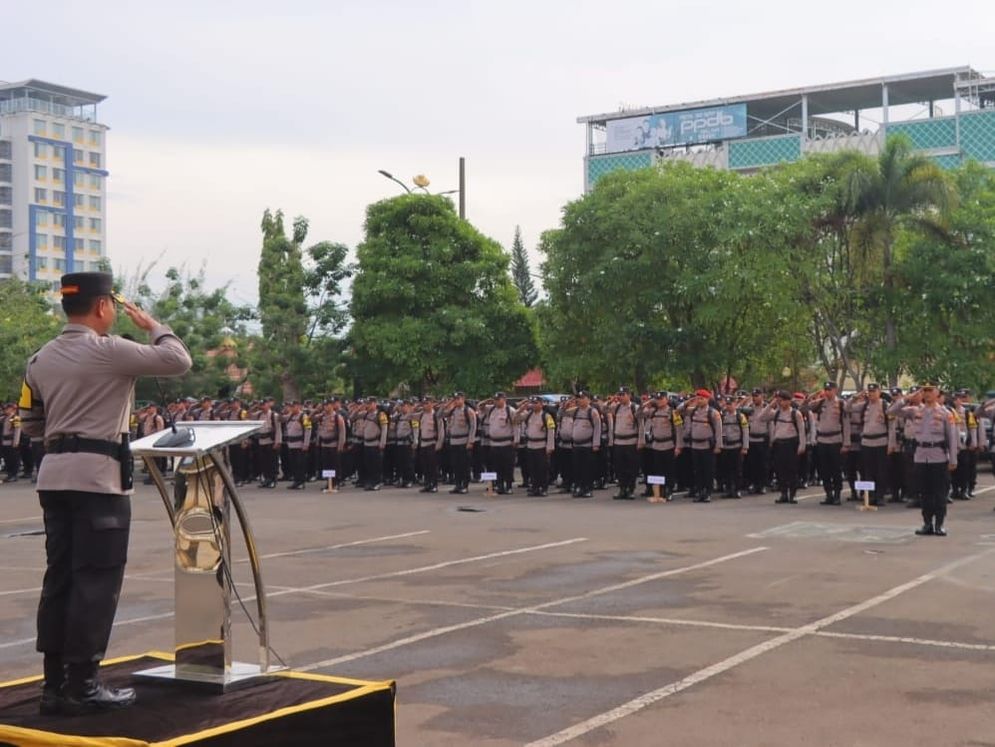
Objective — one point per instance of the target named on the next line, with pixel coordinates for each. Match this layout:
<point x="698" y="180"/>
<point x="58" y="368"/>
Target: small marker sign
<point x="656" y="479"/>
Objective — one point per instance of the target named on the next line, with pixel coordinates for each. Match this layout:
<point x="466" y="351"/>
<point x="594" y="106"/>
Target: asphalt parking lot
<point x="539" y="622"/>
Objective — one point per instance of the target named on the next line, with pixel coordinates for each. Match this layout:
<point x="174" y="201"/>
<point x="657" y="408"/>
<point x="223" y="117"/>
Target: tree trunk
<point x="890" y="331"/>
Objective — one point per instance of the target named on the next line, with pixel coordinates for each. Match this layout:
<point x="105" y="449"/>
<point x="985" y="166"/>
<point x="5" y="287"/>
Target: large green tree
<point x="300" y="311"/>
<point x="947" y="286"/>
<point x="521" y="273"/>
<point x="27" y="321"/>
<point x="433" y="306"/>
<point x="673" y="276"/>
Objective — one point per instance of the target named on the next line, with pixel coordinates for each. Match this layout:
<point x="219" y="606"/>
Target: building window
<point x="5" y="149"/>
<point x="41" y="150"/>
<point x="78" y="245"/>
<point x="59" y="130"/>
<point x="77" y="200"/>
<point x="96" y="224"/>
<point x="6" y="219"/>
<point x="41" y="195"/>
<point x="95" y="160"/>
<point x="58" y="219"/>
<point x="78" y="222"/>
<point x="6" y="264"/>
<point x="41" y="172"/>
<point x="77" y="134"/>
<point x="6" y="241"/>
<point x="94" y="202"/>
<point x="6" y="195"/>
<point x="95" y="181"/>
<point x="78" y="177"/>
<point x="41" y="218"/>
<point x="58" y="151"/>
<point x="42" y="263"/>
<point x="41" y="241"/>
<point x="94" y="245"/>
<point x="59" y="175"/>
<point x="59" y="242"/>
<point x="77" y="155"/>
<point x="58" y="197"/>
<point x="39" y="126"/>
<point x="60" y="264"/>
<point x="95" y="137"/>
<point x="6" y="170"/>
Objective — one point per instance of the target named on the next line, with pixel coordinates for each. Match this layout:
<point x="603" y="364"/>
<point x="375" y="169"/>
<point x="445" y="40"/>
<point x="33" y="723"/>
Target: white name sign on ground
<point x="656" y="479"/>
<point x="328" y="473"/>
<point x="865" y="485"/>
<point x="488" y="476"/>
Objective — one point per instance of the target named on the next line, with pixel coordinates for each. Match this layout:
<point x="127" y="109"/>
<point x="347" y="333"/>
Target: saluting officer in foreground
<point x="77" y="392"/>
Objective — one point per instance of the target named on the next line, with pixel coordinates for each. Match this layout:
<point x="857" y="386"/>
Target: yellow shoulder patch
<point x="306" y="422"/>
<point x="382" y="418"/>
<point x="678" y="420"/>
<point x="743" y="420"/>
<point x="243" y="415"/>
<point x="15" y="421"/>
<point x="415" y="424"/>
<point x="550" y="424"/>
<point x="26" y="402"/>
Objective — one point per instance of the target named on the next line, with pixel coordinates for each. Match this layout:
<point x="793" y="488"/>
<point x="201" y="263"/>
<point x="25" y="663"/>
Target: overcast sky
<point x="220" y="109"/>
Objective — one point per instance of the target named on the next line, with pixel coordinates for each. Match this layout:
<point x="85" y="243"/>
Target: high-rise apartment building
<point x="53" y="175"/>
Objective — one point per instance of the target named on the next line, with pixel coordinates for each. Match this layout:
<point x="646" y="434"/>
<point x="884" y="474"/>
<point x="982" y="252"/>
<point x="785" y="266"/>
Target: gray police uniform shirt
<point x="298" y="432"/>
<point x="405" y="433"/>
<point x="331" y="430"/>
<point x="787" y="424"/>
<point x="586" y="428"/>
<point x="540" y="430"/>
<point x="461" y="424"/>
<point x="735" y="430"/>
<point x="373" y="427"/>
<point x="878" y="430"/>
<point x="623" y="425"/>
<point x="703" y="426"/>
<point x="760" y="429"/>
<point x="430" y="430"/>
<point x="565" y="428"/>
<point x="83" y="384"/>
<point x="933" y="429"/>
<point x="832" y="422"/>
<point x="663" y="428"/>
<point x="500" y="424"/>
<point x="272" y="432"/>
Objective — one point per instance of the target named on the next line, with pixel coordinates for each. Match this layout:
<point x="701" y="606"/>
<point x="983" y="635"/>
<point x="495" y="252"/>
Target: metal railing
<point x="16" y="106"/>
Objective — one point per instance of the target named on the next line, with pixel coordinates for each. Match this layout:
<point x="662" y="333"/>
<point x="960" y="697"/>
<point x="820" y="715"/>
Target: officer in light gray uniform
<point x="586" y="442"/>
<point x="624" y="426"/>
<point x="502" y="435"/>
<point x="663" y="432"/>
<point x="876" y="437"/>
<point x="539" y="429"/>
<point x="78" y="391"/>
<point x="935" y="432"/>
<point x="297" y="436"/>
<point x="431" y="432"/>
<point x="832" y="440"/>
<point x="461" y="425"/>
<point x="703" y="428"/>
<point x="406" y="438"/>
<point x="270" y="441"/>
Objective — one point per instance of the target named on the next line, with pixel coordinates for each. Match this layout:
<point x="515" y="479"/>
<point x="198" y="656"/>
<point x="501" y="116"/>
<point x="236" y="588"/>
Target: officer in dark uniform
<point x="77" y="392"/>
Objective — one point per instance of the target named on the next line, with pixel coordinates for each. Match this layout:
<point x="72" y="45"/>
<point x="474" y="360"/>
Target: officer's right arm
<point x="166" y="355"/>
<point x="31" y="411"/>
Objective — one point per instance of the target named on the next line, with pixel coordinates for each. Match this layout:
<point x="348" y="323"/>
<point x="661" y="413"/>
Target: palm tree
<point x="907" y="190"/>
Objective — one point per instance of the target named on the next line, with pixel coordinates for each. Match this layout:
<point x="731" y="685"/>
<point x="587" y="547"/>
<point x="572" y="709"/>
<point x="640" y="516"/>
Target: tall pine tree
<point x="520" y="271"/>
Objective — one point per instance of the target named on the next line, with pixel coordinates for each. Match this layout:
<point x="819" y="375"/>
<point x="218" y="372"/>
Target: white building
<point x="53" y="175"/>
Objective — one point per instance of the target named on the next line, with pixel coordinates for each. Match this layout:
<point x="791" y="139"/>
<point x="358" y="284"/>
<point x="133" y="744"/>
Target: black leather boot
<point x="84" y="693"/>
<point x="52" y="687"/>
<point x="926" y="530"/>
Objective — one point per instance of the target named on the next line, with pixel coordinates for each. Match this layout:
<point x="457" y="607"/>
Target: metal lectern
<point x="199" y="506"/>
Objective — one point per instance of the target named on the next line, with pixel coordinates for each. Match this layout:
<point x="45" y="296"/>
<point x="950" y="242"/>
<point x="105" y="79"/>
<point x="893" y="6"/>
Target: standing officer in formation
<point x="431" y="436"/>
<point x="832" y="440"/>
<point x="757" y="458"/>
<point x="703" y="426"/>
<point x="735" y="446"/>
<point x="877" y="436"/>
<point x="373" y="425"/>
<point x="331" y="437"/>
<point x="934" y="430"/>
<point x="78" y="391"/>
<point x="461" y="428"/>
<point x="270" y="441"/>
<point x="585" y="441"/>
<point x="787" y="443"/>
<point x="539" y="431"/>
<point x="297" y="436"/>
<point x="624" y="428"/>
<point x="497" y="417"/>
<point x="10" y="439"/>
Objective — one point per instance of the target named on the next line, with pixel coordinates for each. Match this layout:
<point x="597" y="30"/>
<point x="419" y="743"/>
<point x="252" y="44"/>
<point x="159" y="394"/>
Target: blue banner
<point x="676" y="128"/>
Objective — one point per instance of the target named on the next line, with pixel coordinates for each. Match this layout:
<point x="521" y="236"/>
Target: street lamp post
<point x="390" y="176"/>
<point x="421" y="182"/>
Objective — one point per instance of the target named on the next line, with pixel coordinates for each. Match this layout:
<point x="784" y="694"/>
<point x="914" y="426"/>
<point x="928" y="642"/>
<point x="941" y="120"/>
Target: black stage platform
<point x="293" y="709"/>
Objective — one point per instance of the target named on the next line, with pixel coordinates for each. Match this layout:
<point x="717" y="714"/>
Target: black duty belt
<point x="502" y="440"/>
<point x="874" y="436"/>
<point x="699" y="440"/>
<point x="76" y="445"/>
<point x="584" y="443"/>
<point x="427" y="441"/>
<point x="293" y="439"/>
<point x="536" y="439"/>
<point x="727" y="444"/>
<point x="828" y="434"/>
<point x="932" y="444"/>
<point x="667" y="440"/>
<point x="326" y="441"/>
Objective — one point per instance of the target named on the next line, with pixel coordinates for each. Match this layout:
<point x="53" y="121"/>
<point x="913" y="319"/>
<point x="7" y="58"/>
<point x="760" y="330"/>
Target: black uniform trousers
<point x="785" y="458"/>
<point x="538" y="470"/>
<point x="831" y="468"/>
<point x="626" y="461"/>
<point x="267" y="462"/>
<point x="11" y="460"/>
<point x="459" y="457"/>
<point x="428" y="458"/>
<point x="297" y="464"/>
<point x="874" y="468"/>
<point x="961" y="477"/>
<point x="372" y="465"/>
<point x="330" y="460"/>
<point x="852" y="463"/>
<point x="583" y="468"/>
<point x="662" y="465"/>
<point x="502" y="460"/>
<point x="730" y="468"/>
<point x="565" y="466"/>
<point x="404" y="467"/>
<point x="933" y="482"/>
<point x="86" y="547"/>
<point x="523" y="465"/>
<point x="703" y="464"/>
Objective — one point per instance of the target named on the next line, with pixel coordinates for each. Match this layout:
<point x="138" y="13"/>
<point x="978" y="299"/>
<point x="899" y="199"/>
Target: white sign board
<point x="488" y="476"/>
<point x="656" y="480"/>
<point x="328" y="473"/>
<point x="865" y="485"/>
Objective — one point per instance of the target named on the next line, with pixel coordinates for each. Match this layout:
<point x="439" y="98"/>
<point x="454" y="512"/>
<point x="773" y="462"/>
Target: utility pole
<point x="462" y="188"/>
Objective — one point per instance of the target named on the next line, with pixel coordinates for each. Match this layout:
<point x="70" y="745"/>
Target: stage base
<point x="290" y="708"/>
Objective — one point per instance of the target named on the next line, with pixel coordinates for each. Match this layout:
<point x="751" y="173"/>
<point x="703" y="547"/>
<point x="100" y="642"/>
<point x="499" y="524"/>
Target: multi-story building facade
<point x="53" y="181"/>
<point x="947" y="114"/>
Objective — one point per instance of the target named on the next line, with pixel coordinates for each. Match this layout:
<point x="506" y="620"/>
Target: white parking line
<point x="309" y="550"/>
<point x="648" y="699"/>
<point x="435" y="632"/>
<point x="913" y="641"/>
<point x="25" y="520"/>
